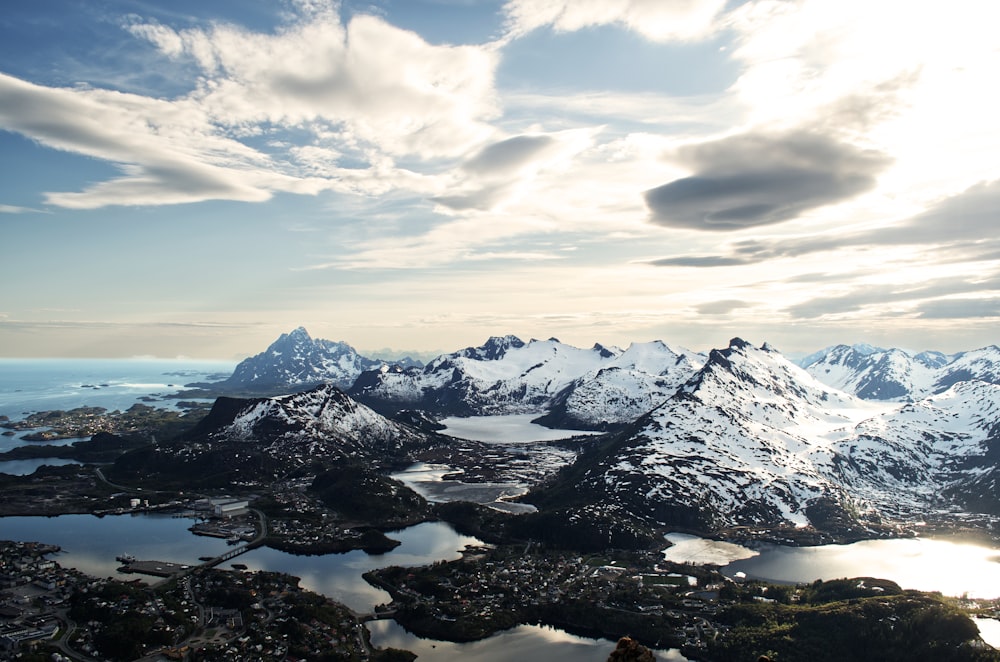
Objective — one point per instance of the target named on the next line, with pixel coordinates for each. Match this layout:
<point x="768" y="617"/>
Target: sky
<point x="195" y="178"/>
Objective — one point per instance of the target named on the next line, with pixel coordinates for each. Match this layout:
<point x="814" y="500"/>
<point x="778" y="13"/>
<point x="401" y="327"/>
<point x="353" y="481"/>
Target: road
<point x="63" y="642"/>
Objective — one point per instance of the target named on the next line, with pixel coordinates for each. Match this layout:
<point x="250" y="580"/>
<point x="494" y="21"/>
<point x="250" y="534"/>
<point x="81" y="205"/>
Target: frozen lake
<point x="509" y="428"/>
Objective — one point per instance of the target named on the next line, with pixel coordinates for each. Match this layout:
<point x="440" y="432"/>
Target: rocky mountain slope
<point x="893" y="374"/>
<point x="295" y="361"/>
<point x="753" y="440"/>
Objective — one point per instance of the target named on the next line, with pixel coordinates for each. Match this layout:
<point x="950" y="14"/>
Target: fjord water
<point x="32" y="385"/>
<point x="90" y="543"/>
<point x="953" y="568"/>
<point x="338" y="576"/>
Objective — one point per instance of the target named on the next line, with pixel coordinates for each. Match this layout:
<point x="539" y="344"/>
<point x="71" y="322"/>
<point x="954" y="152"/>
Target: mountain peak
<point x="739" y="343"/>
<point x="295" y="359"/>
<point x="602" y="350"/>
<point x="299" y="334"/>
<point x="496" y="346"/>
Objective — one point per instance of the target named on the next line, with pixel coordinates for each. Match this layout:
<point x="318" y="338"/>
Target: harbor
<point x="252" y="537"/>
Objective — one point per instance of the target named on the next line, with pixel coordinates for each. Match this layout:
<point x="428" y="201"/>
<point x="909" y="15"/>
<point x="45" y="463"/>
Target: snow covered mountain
<point x="982" y="364"/>
<point x="322" y="422"/>
<point x="255" y="442"/>
<point x="893" y="374"/>
<point x="295" y="361"/>
<point x="938" y="452"/>
<point x="503" y="376"/>
<point x="876" y="375"/>
<point x="731" y="447"/>
<point x="753" y="440"/>
<point x="632" y="383"/>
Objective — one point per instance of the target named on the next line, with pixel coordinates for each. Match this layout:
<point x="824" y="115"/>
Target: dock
<point x="154" y="568"/>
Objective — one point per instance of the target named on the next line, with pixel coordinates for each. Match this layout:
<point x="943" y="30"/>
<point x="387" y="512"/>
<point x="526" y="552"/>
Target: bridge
<point x="233" y="553"/>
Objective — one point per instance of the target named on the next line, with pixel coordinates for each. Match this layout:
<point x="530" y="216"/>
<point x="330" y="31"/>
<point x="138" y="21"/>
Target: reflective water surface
<point x="338" y="576"/>
<point x="953" y="568"/>
<point x="525" y="643"/>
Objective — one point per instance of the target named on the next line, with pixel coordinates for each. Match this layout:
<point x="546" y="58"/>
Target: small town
<point x="494" y="587"/>
<point x="52" y="613"/>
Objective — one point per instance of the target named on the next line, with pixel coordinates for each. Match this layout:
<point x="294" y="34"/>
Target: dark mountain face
<point x="295" y="361"/>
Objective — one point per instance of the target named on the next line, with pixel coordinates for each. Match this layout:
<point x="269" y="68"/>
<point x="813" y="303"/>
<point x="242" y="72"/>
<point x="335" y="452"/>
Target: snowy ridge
<point x="982" y="364"/>
<point x="895" y="375"/>
<point x="634" y="382"/>
<point x="734" y="446"/>
<point x="503" y="376"/>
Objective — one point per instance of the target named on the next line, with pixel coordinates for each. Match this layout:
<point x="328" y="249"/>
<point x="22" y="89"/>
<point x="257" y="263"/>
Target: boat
<point x="125" y="558"/>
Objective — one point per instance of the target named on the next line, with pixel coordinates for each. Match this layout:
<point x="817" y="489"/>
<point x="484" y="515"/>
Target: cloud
<point x="499" y="171"/>
<point x="29" y="325"/>
<point x="749" y="180"/>
<point x="369" y="81"/>
<point x="933" y="298"/>
<point x="722" y="307"/>
<point x="963" y="308"/>
<point x="969" y="215"/>
<point x="656" y="20"/>
<point x="508" y="155"/>
<point x="699" y="261"/>
<point x="959" y="227"/>
<point x="168" y="153"/>
<point x="14" y="209"/>
<point x="356" y="97"/>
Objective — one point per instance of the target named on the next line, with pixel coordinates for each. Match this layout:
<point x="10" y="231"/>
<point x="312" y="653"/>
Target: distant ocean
<point x="31" y="385"/>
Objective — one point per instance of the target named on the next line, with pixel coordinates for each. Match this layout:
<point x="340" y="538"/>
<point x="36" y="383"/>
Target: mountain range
<point x="893" y="374"/>
<point x="852" y="442"/>
<point x="578" y="388"/>
<point x="597" y="388"/>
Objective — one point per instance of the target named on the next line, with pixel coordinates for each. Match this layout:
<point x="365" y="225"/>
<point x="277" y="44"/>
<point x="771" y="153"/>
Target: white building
<point x="231" y="508"/>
